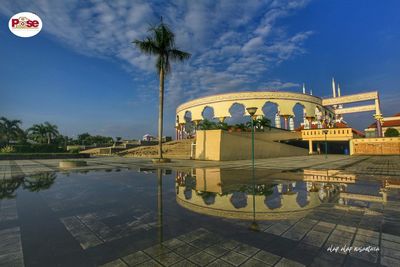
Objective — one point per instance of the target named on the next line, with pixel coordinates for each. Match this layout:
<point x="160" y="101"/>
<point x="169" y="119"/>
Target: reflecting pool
<point x="199" y="217"/>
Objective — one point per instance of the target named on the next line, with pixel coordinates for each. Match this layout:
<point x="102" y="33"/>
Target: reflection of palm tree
<point x="161" y="43"/>
<point x="38" y="182"/>
<point x="159" y="206"/>
<point x="8" y="188"/>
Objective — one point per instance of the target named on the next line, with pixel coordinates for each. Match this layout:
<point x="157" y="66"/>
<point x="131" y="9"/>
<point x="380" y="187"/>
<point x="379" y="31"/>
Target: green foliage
<point x="241" y="126"/>
<point x="222" y="126"/>
<point x="7" y="149"/>
<point x="161" y="43"/>
<point x="38" y="148"/>
<point x="260" y="124"/>
<point x="391" y="132"/>
<point x="10" y="130"/>
<point x="87" y="139"/>
<point x="207" y="125"/>
<point x="74" y="149"/>
<point x="43" y="133"/>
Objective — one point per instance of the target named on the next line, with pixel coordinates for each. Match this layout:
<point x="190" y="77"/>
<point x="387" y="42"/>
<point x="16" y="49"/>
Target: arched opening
<point x="298" y="119"/>
<point x="189" y="128"/>
<point x="238" y="115"/>
<point x="271" y="111"/>
<point x="208" y="114"/>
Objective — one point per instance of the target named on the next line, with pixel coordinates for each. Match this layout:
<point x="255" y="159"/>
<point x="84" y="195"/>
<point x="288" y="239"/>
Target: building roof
<point x="393" y="122"/>
<point x="337" y="125"/>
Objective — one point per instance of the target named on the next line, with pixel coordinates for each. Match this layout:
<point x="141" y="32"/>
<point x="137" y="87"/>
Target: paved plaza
<point x="98" y="215"/>
<point x="371" y="165"/>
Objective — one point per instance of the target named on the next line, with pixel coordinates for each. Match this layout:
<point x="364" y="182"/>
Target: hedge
<point x="19" y="156"/>
<point x="38" y="148"/>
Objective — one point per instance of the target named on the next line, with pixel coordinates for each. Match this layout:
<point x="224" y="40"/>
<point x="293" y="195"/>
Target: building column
<point x="286" y="121"/>
<point x="310" y="148"/>
<point x="378" y="118"/>
<point x="221" y="119"/>
<point x="277" y="121"/>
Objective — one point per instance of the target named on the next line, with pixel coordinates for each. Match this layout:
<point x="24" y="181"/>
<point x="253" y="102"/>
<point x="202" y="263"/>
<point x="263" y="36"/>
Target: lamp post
<point x="326" y="143"/>
<point x="252" y="111"/>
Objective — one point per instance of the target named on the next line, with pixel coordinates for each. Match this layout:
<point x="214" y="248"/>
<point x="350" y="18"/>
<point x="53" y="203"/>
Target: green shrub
<point x="391" y="132"/>
<point x="74" y="150"/>
<point x="38" y="148"/>
<point x="7" y="149"/>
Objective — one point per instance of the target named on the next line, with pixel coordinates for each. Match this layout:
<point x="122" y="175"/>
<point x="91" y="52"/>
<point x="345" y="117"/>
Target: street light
<point x="252" y="111"/>
<point x="326" y="143"/>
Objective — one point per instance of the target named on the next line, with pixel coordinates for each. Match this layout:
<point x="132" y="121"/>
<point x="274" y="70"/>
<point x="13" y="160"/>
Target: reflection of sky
<point x="274" y="201"/>
<point x="239" y="200"/>
<point x="364" y="187"/>
<point x="302" y="194"/>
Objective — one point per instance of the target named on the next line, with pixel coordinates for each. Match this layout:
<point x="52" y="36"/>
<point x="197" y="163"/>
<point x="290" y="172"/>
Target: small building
<point x="388" y="122"/>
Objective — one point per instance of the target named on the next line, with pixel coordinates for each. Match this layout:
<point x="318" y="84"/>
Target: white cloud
<point x="233" y="43"/>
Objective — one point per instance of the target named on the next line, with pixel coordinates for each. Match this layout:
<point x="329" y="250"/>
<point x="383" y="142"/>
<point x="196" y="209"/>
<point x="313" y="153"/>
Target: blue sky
<point x="83" y="74"/>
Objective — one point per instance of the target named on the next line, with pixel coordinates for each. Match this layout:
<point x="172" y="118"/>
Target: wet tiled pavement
<point x="120" y="218"/>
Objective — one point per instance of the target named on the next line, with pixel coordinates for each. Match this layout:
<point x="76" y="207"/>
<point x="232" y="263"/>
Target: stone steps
<point x="179" y="149"/>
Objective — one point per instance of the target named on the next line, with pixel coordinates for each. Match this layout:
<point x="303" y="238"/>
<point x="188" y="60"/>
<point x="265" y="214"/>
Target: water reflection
<point x="33" y="183"/>
<point x="273" y="195"/>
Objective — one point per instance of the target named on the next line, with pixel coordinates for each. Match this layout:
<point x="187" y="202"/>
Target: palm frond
<point x="147" y="46"/>
<point x="178" y="54"/>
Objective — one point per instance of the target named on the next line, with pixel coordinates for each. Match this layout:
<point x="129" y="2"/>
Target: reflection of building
<point x="228" y="193"/>
<point x="210" y="192"/>
<point x="331" y="176"/>
<point x="388" y="122"/>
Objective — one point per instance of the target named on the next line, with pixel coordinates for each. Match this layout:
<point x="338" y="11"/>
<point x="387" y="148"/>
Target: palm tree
<point x="38" y="132"/>
<point x="260" y="124"/>
<point x="161" y="43"/>
<point x="10" y="129"/>
<point x="52" y="131"/>
<point x="263" y="123"/>
<point x="43" y="132"/>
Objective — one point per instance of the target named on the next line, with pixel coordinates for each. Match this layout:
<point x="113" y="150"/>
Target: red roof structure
<point x="389" y="123"/>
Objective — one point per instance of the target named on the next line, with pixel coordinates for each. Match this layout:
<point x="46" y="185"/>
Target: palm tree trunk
<point x="160" y="113"/>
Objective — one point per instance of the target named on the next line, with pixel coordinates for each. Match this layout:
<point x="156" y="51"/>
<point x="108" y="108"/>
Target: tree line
<point x="44" y="133"/>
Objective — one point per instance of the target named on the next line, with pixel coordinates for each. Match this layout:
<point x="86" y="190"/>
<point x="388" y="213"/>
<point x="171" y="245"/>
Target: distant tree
<point x="391" y="132"/>
<point x="38" y="133"/>
<point x="83" y="139"/>
<point x="87" y="139"/>
<point x="44" y="132"/>
<point x="10" y="130"/>
<point x="51" y="131"/>
<point x="161" y="43"/>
